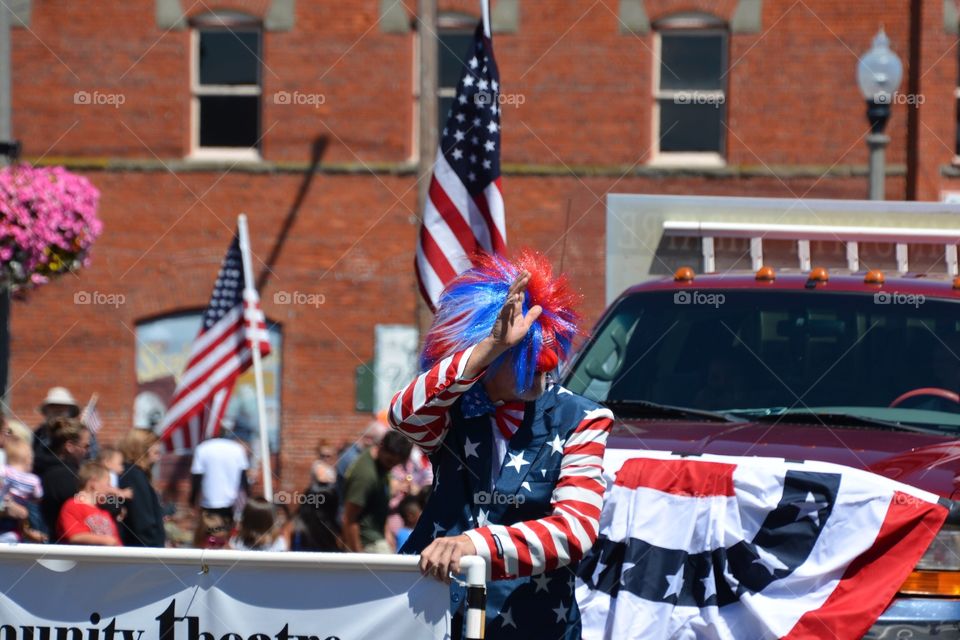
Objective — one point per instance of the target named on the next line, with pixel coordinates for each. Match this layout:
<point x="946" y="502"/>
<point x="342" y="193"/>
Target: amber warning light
<point x="683" y="274"/>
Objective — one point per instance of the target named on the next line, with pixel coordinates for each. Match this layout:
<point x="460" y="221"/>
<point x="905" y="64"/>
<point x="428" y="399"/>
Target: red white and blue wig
<point x="470" y="304"/>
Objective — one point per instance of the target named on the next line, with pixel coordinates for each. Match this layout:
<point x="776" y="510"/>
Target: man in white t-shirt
<point x="219" y="471"/>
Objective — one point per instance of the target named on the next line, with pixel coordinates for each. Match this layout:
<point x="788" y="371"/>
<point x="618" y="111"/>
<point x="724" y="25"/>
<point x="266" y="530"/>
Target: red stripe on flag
<point x="436" y="257"/>
<point x="697" y="478"/>
<point x="453" y="217"/>
<point x="211" y="366"/>
<point x="872" y="579"/>
<point x="496" y="240"/>
<point x="216" y="334"/>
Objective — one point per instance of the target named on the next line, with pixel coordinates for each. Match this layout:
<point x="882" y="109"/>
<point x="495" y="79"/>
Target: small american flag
<point x="464" y="212"/>
<point x="90" y="416"/>
<point x="219" y="354"/>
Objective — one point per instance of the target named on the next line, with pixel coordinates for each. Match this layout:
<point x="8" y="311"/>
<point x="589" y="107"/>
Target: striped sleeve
<point x="420" y="410"/>
<point x="562" y="538"/>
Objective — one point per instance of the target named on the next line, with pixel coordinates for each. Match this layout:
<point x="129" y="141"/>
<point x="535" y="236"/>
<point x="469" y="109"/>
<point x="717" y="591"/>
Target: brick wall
<point x="794" y="115"/>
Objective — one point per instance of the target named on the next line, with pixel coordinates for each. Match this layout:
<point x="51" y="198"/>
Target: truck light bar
<point x="802" y="234"/>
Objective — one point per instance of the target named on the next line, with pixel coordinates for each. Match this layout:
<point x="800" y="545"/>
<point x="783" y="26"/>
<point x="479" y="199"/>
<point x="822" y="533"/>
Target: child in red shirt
<point x="81" y="520"/>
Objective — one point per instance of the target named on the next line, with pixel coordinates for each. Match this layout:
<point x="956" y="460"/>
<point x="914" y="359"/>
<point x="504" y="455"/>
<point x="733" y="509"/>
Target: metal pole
<point x="257" y="366"/>
<point x="427" y="143"/>
<point x="6" y="134"/>
<point x="476" y="619"/>
<point x="877" y="144"/>
<point x="6" y="126"/>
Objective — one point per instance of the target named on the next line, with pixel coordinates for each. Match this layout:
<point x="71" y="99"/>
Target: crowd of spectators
<point x="58" y="484"/>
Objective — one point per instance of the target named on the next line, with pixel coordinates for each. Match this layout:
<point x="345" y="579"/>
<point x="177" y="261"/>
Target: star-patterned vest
<point x="530" y="607"/>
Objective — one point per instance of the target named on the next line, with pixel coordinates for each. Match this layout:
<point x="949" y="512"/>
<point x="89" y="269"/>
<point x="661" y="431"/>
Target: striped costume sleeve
<point x="536" y="546"/>
<point x="420" y="410"/>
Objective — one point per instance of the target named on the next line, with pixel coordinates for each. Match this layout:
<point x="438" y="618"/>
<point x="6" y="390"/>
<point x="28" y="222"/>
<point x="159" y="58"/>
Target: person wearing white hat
<point x="58" y="403"/>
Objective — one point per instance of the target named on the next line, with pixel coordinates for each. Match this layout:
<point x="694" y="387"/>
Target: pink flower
<point x="48" y="223"/>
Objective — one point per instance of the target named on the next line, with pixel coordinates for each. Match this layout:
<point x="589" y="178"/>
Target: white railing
<point x="802" y="234"/>
<point x="225" y="591"/>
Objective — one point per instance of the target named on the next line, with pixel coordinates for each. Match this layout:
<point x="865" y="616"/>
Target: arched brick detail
<point x="659" y="9"/>
<point x="276" y="15"/>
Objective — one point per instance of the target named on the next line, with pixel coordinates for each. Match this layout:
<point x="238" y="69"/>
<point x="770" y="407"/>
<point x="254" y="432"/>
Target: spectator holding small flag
<point x="70" y="441"/>
<point x="59" y="403"/>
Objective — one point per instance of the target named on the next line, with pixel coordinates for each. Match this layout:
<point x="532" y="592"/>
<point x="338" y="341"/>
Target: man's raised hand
<point x="512" y="325"/>
<point x="509" y="329"/>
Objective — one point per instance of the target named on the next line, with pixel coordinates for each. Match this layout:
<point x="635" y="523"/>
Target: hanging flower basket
<point x="48" y="223"/>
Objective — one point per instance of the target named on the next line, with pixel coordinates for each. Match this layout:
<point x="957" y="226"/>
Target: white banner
<point x="98" y="593"/>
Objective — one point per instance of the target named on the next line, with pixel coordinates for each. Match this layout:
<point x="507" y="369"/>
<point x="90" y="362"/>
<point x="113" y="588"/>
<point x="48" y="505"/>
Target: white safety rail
<point x="184" y="591"/>
<point x="803" y="234"/>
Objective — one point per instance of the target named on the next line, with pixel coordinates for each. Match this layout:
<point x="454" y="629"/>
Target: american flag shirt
<point x="533" y="521"/>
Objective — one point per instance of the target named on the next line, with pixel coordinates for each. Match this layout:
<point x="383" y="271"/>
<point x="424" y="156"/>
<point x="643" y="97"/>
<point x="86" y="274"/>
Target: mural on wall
<point x="163" y="347"/>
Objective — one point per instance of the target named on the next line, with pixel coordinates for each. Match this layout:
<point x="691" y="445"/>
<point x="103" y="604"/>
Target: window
<point x="226" y="86"/>
<point x="690" y="99"/>
<point x="741" y="349"/>
<point x="162" y="353"/>
<point x="456" y="37"/>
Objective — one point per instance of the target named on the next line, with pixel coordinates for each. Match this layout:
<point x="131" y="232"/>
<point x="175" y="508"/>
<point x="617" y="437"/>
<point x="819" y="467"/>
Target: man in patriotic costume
<point x="517" y="459"/>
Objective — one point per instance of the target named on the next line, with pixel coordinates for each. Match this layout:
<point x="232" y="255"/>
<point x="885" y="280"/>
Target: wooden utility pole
<point x="6" y="136"/>
<point x="427" y="142"/>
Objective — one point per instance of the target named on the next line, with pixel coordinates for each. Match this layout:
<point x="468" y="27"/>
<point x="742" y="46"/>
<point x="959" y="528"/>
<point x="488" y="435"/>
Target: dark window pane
<point x="842" y="349"/>
<point x="691" y="127"/>
<point x="451" y="50"/>
<point x="443" y="111"/>
<point x="229" y="121"/>
<point x="692" y="61"/>
<point x="229" y="57"/>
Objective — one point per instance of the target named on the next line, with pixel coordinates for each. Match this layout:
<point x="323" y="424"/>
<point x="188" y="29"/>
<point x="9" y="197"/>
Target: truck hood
<point x="929" y="462"/>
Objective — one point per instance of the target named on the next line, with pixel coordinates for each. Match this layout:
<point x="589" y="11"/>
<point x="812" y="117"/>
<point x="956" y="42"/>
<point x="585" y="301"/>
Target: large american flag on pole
<point x="464" y="211"/>
<point x="221" y="352"/>
<point x="749" y="548"/>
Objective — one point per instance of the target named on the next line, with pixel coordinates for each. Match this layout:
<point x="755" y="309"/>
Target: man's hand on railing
<point x="442" y="556"/>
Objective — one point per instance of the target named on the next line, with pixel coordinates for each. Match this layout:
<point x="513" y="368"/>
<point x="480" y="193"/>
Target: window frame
<point x="695" y="27"/>
<point x="450" y="23"/>
<point x="233" y="25"/>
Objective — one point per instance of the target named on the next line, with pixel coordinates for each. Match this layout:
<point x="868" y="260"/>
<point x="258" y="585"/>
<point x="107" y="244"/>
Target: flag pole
<point x="485" y="9"/>
<point x="257" y="366"/>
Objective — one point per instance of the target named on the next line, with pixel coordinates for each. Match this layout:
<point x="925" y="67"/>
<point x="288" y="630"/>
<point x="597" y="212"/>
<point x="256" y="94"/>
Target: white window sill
<point x="687" y="160"/>
<point x="224" y="154"/>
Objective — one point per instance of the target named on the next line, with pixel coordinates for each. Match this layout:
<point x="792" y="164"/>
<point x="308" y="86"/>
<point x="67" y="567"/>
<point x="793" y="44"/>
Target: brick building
<point x="303" y="114"/>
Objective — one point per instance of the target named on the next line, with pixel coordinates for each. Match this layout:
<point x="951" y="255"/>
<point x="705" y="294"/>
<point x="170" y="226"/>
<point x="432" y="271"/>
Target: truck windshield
<point x="893" y="357"/>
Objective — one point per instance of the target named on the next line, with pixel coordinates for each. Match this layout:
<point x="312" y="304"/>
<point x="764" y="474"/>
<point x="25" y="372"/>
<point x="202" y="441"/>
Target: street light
<point x="878" y="73"/>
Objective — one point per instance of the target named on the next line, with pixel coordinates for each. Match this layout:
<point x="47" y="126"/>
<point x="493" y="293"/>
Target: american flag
<point x="90" y="416"/>
<point x="220" y="353"/>
<point x="464" y="211"/>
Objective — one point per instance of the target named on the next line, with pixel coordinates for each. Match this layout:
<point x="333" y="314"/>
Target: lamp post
<point x="878" y="73"/>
